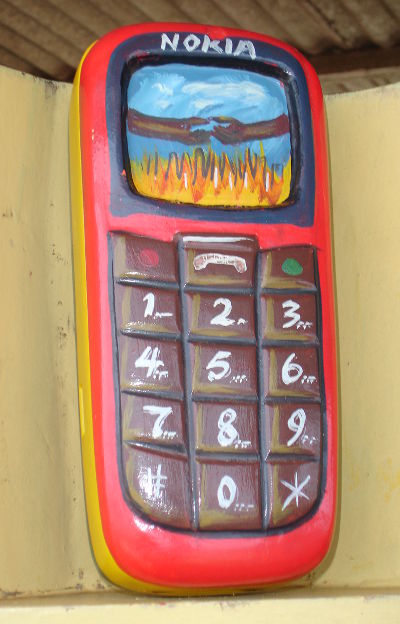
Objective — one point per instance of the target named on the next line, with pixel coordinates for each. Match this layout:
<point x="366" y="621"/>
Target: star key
<point x="294" y="487"/>
<point x="296" y="491"/>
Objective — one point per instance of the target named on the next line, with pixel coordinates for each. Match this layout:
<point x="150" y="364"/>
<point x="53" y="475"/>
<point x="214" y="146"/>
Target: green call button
<point x="292" y="267"/>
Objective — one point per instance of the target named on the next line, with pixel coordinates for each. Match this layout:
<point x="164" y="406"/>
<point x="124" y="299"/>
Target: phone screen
<point x="208" y="136"/>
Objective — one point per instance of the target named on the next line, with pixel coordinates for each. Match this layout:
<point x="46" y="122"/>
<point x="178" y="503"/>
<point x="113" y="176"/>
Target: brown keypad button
<point x="138" y="257"/>
<point x="219" y="260"/>
<point x="223" y="369"/>
<point x="226" y="427"/>
<point x="221" y="315"/>
<point x="294" y="488"/>
<point x="229" y="495"/>
<point x="150" y="364"/>
<point x="291" y="371"/>
<point x="289" y="317"/>
<point x="288" y="267"/>
<point x="147" y="419"/>
<point x="293" y="428"/>
<point x="141" y="308"/>
<point x="159" y="485"/>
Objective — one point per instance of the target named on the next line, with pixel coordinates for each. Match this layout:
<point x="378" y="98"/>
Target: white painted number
<point x="296" y="424"/>
<point x="226" y="492"/>
<point x="150" y="299"/>
<point x="219" y="361"/>
<point x="163" y="413"/>
<point x="222" y="317"/>
<point x="293" y="316"/>
<point x="291" y="372"/>
<point x="227" y="432"/>
<point x="291" y="313"/>
<point x="149" y="311"/>
<point x="149" y="359"/>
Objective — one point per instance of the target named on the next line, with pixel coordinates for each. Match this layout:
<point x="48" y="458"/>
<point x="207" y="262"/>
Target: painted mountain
<point x="209" y="136"/>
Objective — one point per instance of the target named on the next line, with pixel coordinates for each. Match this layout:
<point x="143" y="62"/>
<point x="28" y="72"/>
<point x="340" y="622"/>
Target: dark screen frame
<point x="272" y="61"/>
<point x="229" y="63"/>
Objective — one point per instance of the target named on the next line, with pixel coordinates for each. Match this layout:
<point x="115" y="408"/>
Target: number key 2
<point x="221" y="315"/>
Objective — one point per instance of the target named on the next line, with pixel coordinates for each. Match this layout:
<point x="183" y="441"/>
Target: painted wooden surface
<point x="44" y="545"/>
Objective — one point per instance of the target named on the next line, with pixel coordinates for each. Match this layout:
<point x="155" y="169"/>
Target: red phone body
<point x="211" y="333"/>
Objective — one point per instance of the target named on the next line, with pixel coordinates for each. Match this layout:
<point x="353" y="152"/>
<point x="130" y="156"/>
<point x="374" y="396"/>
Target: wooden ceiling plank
<point x="121" y="10"/>
<point x="340" y="21"/>
<point x="393" y="8"/>
<point x="58" y="22"/>
<point x="161" y="11"/>
<point x="376" y="21"/>
<point x="304" y="27"/>
<point x="252" y="16"/>
<point x="358" y="83"/>
<point x="87" y="15"/>
<point x="378" y="81"/>
<point x="331" y="87"/>
<point x="36" y="55"/>
<point x="358" y="60"/>
<point x="321" y="21"/>
<point x="33" y="30"/>
<point x="208" y="12"/>
<point x="356" y="80"/>
<point x="9" y="59"/>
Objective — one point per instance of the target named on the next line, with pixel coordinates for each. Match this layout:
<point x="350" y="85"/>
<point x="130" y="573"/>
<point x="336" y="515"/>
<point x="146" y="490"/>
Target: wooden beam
<point x="362" y="60"/>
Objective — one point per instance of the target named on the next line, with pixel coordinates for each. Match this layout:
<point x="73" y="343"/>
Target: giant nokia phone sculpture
<point x="205" y="317"/>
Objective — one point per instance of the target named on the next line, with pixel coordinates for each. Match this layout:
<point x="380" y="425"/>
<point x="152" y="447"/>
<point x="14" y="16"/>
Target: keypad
<point x="220" y="381"/>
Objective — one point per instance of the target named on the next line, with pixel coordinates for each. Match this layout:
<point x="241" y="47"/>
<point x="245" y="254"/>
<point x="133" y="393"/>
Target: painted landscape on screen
<point x="210" y="136"/>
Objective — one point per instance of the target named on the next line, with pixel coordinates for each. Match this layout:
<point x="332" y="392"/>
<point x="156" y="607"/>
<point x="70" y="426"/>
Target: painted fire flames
<point x="208" y="136"/>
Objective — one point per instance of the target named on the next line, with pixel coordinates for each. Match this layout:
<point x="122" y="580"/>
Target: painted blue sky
<point x="179" y="91"/>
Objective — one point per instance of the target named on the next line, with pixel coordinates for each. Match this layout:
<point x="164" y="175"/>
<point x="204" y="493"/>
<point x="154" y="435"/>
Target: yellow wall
<point x="44" y="545"/>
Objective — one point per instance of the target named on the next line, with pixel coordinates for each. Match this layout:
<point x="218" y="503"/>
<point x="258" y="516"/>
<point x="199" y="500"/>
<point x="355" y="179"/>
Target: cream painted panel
<point x="364" y="133"/>
<point x="43" y="536"/>
<point x="284" y="608"/>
